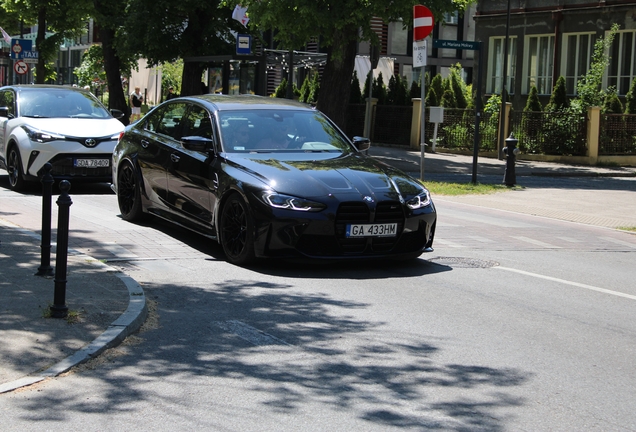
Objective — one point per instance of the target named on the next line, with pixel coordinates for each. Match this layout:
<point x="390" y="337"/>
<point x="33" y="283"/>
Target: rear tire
<point x="14" y="168"/>
<point x="129" y="194"/>
<point x="237" y="231"/>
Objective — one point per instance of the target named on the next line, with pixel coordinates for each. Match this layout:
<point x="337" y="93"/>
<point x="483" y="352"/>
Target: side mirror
<point x="118" y="114"/>
<point x="362" y="144"/>
<point x="4" y="112"/>
<point x="197" y="143"/>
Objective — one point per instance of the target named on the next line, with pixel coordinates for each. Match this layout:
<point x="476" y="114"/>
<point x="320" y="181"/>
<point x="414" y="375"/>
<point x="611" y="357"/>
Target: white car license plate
<point x="372" y="230"/>
<point x="92" y="163"/>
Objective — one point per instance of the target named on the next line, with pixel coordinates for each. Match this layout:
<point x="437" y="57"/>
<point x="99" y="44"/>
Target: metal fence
<point x="392" y="124"/>
<point x="618" y="134"/>
<point x="550" y="133"/>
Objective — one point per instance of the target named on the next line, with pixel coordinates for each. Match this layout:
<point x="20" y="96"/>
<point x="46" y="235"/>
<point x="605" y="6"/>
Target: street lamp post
<point x="502" y="113"/>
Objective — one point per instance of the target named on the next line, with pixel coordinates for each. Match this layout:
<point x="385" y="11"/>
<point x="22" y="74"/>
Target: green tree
<point x="164" y="30"/>
<point x="91" y="70"/>
<point x="612" y="104"/>
<point x="341" y="25"/>
<point x="379" y="89"/>
<point x="281" y="90"/>
<point x="533" y="104"/>
<point x="630" y="99"/>
<point x="56" y="22"/>
<point x="458" y="86"/>
<point x="171" y="74"/>
<point x="416" y="89"/>
<point x="558" y="99"/>
<point x="437" y="83"/>
<point x="589" y="91"/>
<point x="448" y="99"/>
<point x="314" y="90"/>
<point x="431" y="98"/>
<point x="355" y="97"/>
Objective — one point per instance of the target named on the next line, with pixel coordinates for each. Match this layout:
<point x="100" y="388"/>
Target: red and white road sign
<point x="422" y="22"/>
<point x="20" y="67"/>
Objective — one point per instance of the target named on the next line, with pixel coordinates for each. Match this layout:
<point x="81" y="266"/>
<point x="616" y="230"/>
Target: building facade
<point x="552" y="38"/>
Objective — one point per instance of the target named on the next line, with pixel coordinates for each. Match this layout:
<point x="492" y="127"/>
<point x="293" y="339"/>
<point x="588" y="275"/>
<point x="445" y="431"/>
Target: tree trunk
<point x="112" y="66"/>
<point x="335" y="85"/>
<point x="40" y="74"/>
<point x="191" y="79"/>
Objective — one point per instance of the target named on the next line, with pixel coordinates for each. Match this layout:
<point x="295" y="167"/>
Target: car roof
<point x="241" y="102"/>
<point x="35" y="87"/>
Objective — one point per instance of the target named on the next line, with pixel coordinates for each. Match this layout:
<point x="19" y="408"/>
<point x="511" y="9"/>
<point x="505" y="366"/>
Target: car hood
<point x="348" y="176"/>
<point x="75" y="127"/>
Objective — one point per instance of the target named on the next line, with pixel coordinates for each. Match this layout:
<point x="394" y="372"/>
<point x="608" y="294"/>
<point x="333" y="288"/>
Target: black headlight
<point x="421" y="200"/>
<point x="288" y="202"/>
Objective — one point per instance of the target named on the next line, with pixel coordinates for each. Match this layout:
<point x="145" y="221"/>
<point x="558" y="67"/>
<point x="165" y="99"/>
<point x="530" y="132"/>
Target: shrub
<point x="355" y="96"/>
<point x="559" y="99"/>
<point x="630" y="99"/>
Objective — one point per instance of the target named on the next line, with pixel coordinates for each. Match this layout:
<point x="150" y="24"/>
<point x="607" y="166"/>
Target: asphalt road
<point x="515" y="322"/>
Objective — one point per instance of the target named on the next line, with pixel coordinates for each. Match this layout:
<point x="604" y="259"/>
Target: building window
<point x="495" y="64"/>
<point x="622" y="67"/>
<point x="576" y="58"/>
<point x="451" y="17"/>
<point x="539" y="56"/>
<point x="398" y="35"/>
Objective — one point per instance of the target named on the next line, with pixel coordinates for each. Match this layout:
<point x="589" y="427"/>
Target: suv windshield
<point x="55" y="103"/>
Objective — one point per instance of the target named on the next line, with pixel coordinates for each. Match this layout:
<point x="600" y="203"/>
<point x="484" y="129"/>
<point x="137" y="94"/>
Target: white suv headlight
<point x="40" y="135"/>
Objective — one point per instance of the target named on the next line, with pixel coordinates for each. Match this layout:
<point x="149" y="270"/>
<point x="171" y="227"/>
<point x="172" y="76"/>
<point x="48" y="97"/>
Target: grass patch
<point x="444" y="188"/>
<point x="72" y="317"/>
<point x="631" y="229"/>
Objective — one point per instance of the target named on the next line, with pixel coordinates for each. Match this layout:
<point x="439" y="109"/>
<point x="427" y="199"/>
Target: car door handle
<point x="145" y="143"/>
<point x="175" y="158"/>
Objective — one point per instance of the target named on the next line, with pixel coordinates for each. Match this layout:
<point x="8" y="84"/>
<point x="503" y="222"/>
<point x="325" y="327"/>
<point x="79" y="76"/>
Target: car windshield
<point x="56" y="103"/>
<point x="273" y="130"/>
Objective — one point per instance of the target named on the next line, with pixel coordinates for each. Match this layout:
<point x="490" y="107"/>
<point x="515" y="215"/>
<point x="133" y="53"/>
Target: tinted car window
<point x="308" y="130"/>
<point x="167" y="121"/>
<point x="7" y="99"/>
<point x="197" y="123"/>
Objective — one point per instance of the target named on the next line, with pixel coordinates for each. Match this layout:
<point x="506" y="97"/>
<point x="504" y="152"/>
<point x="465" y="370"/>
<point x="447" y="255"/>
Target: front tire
<point x="237" y="231"/>
<point x="14" y="168"/>
<point x="129" y="194"/>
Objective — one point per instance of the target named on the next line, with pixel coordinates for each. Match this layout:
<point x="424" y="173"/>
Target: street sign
<point x="244" y="44"/>
<point x="422" y="22"/>
<point x="419" y="53"/>
<point x="21" y="46"/>
<point x="20" y="67"/>
<point x="454" y="44"/>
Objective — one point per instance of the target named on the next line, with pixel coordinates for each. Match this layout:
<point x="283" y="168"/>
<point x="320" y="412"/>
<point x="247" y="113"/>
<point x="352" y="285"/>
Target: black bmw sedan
<point x="268" y="177"/>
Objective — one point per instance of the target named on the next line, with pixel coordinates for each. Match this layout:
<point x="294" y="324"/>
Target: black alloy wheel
<point x="14" y="168"/>
<point x="129" y="193"/>
<point x="237" y="231"/>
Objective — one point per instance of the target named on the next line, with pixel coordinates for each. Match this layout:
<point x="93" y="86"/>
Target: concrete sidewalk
<point x="104" y="308"/>
<point x="109" y="305"/>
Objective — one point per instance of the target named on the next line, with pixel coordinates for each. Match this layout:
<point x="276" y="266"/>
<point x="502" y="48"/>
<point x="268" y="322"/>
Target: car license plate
<point x="92" y="163"/>
<point x="372" y="230"/>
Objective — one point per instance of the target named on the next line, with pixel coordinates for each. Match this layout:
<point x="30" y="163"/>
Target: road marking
<point x="536" y="242"/>
<point x="570" y="239"/>
<point x="448" y="243"/>
<point x="620" y="242"/>
<point x="567" y="282"/>
<point x="482" y="239"/>
<point x="249" y="333"/>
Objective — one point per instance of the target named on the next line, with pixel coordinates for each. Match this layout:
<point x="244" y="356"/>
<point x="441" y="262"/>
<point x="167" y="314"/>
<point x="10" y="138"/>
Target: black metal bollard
<point x="59" y="309"/>
<point x="45" y="268"/>
<point x="510" y="151"/>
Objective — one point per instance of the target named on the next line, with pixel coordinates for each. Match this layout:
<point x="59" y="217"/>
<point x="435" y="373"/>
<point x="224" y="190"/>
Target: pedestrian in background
<point x="171" y="94"/>
<point x="136" y="99"/>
